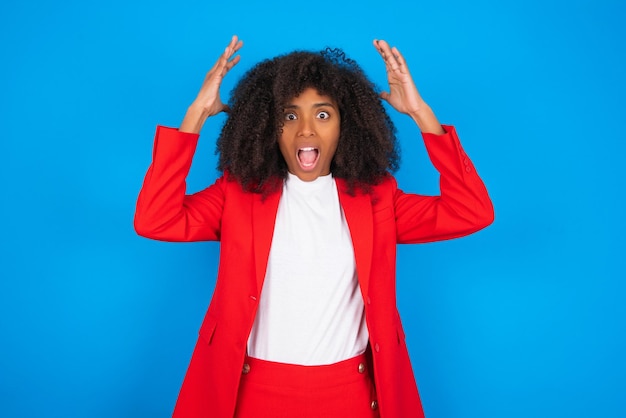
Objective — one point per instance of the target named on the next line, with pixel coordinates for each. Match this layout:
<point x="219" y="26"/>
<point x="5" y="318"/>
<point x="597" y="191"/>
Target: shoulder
<point x="387" y="182"/>
<point x="387" y="186"/>
<point x="231" y="184"/>
<point x="381" y="192"/>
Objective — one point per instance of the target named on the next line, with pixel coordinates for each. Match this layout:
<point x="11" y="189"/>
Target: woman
<point x="303" y="321"/>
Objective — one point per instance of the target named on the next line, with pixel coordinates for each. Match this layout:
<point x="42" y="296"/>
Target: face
<point x="310" y="134"/>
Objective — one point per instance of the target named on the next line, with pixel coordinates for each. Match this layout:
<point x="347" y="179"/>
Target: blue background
<point x="523" y="319"/>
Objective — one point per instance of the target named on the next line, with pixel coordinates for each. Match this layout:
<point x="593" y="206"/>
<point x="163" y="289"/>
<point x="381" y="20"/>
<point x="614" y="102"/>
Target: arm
<point x="403" y="95"/>
<point x="208" y="102"/>
<point x="464" y="205"/>
<point x="462" y="208"/>
<point x="163" y="210"/>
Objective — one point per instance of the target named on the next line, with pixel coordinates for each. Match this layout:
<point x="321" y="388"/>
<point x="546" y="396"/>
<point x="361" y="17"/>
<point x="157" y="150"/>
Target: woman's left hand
<point x="403" y="95"/>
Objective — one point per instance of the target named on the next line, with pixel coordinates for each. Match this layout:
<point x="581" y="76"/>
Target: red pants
<point x="278" y="390"/>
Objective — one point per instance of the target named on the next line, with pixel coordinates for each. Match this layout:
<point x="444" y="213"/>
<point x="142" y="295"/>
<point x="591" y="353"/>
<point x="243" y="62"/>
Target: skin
<point x="310" y="121"/>
<point x="402" y="96"/>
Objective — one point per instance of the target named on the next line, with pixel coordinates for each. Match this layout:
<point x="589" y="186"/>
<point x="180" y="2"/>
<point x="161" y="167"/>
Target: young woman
<point x="303" y="321"/>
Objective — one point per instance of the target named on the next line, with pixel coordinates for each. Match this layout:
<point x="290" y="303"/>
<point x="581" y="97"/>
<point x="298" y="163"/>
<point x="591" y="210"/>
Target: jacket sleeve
<point x="462" y="208"/>
<point x="164" y="212"/>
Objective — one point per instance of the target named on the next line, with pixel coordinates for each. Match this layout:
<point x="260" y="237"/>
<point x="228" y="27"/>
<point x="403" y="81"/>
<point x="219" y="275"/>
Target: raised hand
<point x="403" y="95"/>
<point x="208" y="102"/>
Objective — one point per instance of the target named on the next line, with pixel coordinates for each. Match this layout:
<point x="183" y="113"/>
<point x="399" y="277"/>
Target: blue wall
<point x="524" y="319"/>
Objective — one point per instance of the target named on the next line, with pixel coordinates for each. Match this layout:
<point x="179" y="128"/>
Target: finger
<point x="234" y="46"/>
<point x="215" y="66"/>
<point x="220" y="63"/>
<point x="229" y="54"/>
<point x="375" y="43"/>
<point x="398" y="56"/>
<point x="388" y="56"/>
<point x="228" y="59"/>
<point x="237" y="46"/>
<point x="230" y="64"/>
<point x="400" y="59"/>
<point x="379" y="45"/>
<point x="384" y="95"/>
<point x="230" y="48"/>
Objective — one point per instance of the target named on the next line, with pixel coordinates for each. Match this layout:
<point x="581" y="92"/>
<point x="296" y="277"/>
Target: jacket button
<point x="361" y="368"/>
<point x="245" y="369"/>
<point x="374" y="405"/>
<point x="369" y="301"/>
<point x="377" y="347"/>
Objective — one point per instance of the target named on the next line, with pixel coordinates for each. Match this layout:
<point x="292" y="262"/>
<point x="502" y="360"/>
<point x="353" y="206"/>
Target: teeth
<point x="308" y="149"/>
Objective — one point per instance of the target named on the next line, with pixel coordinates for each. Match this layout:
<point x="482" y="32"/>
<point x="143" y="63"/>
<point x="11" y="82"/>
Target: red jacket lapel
<point x="358" y="211"/>
<point x="263" y="220"/>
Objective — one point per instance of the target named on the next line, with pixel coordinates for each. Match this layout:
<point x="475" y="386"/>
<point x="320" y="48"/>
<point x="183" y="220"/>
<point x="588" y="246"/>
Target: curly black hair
<point x="248" y="143"/>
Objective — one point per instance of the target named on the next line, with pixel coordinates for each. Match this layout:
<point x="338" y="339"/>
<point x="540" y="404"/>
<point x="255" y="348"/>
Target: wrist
<point x="426" y="120"/>
<point x="194" y="119"/>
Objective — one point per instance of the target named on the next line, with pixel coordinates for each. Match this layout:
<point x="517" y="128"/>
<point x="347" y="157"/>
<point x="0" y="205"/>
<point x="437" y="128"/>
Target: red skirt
<point x="278" y="390"/>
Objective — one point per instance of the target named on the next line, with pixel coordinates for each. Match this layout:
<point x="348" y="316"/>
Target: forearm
<point x="462" y="207"/>
<point x="161" y="196"/>
<point x="194" y="119"/>
<point x="164" y="211"/>
<point x="426" y="120"/>
<point x="463" y="193"/>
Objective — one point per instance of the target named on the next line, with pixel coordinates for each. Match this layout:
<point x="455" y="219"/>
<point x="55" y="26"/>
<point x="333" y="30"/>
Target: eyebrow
<point x="316" y="105"/>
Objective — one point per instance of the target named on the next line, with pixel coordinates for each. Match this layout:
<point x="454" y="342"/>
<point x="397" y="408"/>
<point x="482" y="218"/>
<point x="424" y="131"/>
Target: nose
<point x="306" y="127"/>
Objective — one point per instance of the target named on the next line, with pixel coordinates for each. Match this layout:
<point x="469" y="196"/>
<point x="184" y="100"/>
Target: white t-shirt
<point x="311" y="310"/>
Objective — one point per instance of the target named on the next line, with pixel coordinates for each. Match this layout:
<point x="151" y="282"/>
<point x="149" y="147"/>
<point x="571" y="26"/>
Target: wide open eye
<point x="323" y="115"/>
<point x="290" y="116"/>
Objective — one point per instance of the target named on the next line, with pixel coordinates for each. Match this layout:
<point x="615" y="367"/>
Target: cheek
<point x="334" y="143"/>
<point x="333" y="150"/>
<point x="330" y="132"/>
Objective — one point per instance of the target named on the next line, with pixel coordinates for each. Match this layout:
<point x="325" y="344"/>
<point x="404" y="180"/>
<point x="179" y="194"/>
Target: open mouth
<point x="307" y="157"/>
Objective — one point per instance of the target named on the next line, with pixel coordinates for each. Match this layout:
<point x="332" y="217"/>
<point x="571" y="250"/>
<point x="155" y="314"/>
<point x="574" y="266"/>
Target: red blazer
<point x="244" y="225"/>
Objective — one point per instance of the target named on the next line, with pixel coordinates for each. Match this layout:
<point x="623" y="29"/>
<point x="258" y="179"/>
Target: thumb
<point x="384" y="95"/>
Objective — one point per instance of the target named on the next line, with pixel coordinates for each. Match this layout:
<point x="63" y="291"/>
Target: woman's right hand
<point x="208" y="101"/>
